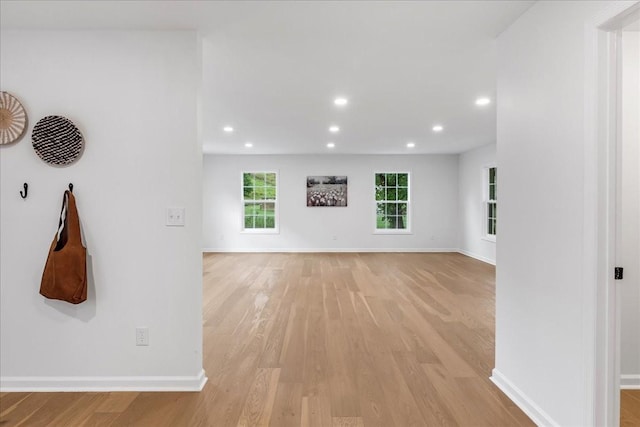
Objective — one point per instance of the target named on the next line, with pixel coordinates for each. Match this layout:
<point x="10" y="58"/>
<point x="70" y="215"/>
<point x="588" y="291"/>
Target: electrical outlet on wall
<point x="175" y="217"/>
<point x="142" y="336"/>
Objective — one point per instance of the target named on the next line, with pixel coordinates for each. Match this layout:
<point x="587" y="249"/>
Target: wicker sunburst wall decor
<point x="13" y="119"/>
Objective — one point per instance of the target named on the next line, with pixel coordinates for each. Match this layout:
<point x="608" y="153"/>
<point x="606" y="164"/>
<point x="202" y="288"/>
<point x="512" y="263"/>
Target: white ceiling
<point x="272" y="69"/>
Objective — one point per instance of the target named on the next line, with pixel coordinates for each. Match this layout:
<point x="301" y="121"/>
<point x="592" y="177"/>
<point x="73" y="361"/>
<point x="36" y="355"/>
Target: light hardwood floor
<point x="630" y="408"/>
<point x="321" y="340"/>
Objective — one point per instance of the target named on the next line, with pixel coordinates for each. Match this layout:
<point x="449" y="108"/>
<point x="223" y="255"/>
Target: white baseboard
<point x="323" y="250"/>
<point x="528" y="406"/>
<point x="478" y="257"/>
<point x="630" y="382"/>
<point x="103" y="384"/>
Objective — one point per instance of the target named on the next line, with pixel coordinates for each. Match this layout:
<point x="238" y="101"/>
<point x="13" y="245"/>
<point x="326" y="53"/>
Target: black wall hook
<point x="26" y="190"/>
<point x="71" y="187"/>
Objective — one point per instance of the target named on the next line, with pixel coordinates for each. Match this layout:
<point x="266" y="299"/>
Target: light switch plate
<point x="175" y="217"/>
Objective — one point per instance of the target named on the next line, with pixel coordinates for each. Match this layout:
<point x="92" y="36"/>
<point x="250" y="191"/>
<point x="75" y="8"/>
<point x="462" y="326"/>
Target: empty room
<point x="285" y="213"/>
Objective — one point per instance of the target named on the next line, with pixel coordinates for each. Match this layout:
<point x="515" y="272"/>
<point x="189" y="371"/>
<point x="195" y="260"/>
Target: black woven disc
<point x="57" y="140"/>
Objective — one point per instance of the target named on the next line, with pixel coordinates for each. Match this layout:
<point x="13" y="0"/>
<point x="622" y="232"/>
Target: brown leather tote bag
<point x="65" y="273"/>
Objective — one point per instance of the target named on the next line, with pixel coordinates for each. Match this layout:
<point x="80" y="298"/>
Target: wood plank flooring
<point x="321" y="340"/>
<point x="630" y="408"/>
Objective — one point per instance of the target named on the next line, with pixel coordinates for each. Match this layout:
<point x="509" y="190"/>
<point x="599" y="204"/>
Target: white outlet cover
<point x="142" y="336"/>
<point x="175" y="217"/>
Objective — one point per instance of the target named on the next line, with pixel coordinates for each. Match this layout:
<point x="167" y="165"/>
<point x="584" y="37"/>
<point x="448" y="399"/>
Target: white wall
<point x="630" y="236"/>
<point x="544" y="304"/>
<point x="434" y="195"/>
<point x="472" y="239"/>
<point x="133" y="95"/>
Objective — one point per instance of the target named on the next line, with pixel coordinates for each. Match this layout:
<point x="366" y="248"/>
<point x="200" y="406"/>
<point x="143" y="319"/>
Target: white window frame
<point x="486" y="202"/>
<point x="409" y="224"/>
<point x="275" y="230"/>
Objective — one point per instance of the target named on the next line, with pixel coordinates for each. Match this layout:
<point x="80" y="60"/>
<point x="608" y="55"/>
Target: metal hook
<point x="26" y="190"/>
<point x="71" y="187"/>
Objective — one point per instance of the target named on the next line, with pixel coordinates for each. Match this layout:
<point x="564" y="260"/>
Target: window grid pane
<point x="391" y="193"/>
<point x="391" y="179"/>
<point x="403" y="193"/>
<point x="492" y="218"/>
<point x="392" y="200"/>
<point x="491" y="201"/>
<point x="259" y="196"/>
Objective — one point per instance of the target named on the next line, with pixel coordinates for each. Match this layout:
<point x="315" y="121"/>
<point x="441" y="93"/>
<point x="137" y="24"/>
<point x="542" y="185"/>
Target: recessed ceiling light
<point x="227" y="129"/>
<point x="483" y="101"/>
<point x="248" y="144"/>
<point x="437" y="128"/>
<point x="410" y="144"/>
<point x="334" y="129"/>
<point x="331" y="145"/>
<point x="341" y="101"/>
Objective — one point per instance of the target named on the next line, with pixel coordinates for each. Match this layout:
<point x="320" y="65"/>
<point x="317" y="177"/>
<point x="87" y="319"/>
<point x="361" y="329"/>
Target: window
<point x="491" y="201"/>
<point x="259" y="198"/>
<point x="392" y="202"/>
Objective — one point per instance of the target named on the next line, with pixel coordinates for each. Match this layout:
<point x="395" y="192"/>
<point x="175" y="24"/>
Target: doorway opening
<point x="618" y="224"/>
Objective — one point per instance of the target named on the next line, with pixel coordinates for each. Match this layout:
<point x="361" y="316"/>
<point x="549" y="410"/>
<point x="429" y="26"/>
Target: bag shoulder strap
<point x="73" y="220"/>
<point x="69" y="222"/>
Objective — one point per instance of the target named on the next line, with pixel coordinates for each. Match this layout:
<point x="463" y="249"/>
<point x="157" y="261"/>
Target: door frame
<point x="602" y="137"/>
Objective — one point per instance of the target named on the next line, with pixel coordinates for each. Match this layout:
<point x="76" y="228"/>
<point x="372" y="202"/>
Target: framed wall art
<point x="327" y="191"/>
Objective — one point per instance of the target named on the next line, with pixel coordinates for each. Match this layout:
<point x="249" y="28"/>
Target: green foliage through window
<point x="392" y="200"/>
<point x="259" y="190"/>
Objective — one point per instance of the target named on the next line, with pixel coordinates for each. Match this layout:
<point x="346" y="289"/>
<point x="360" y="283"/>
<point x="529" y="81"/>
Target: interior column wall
<point x="544" y="299"/>
<point x="133" y="96"/>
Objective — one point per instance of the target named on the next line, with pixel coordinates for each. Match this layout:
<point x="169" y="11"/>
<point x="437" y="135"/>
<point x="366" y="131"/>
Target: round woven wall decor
<point x="13" y="119"/>
<point x="57" y="140"/>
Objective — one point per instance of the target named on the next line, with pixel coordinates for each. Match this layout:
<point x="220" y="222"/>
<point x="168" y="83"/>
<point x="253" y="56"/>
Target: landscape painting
<point x="327" y="191"/>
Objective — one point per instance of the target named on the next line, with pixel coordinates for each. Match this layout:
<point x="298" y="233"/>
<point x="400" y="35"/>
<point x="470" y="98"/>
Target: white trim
<point x="478" y="257"/>
<point x="596" y="400"/>
<point x="322" y="250"/>
<point x="601" y="355"/>
<point x="261" y="230"/>
<point x="103" y="384"/>
<point x="524" y="402"/>
<point x="391" y="231"/>
<point x="630" y="382"/>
